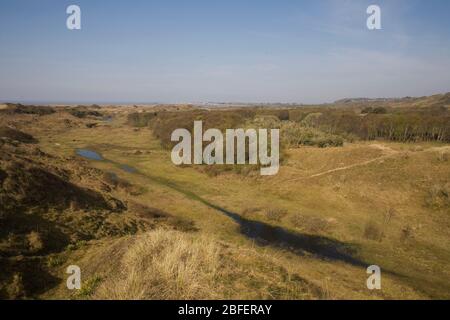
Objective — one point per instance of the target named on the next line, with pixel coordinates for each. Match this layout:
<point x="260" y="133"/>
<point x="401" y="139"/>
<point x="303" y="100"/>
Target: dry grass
<point x="16" y="289"/>
<point x="438" y="196"/>
<point x="164" y="265"/>
<point x="407" y="234"/>
<point x="373" y="231"/>
<point x="35" y="241"/>
<point x="443" y="156"/>
<point x="276" y="214"/>
<point x="309" y="224"/>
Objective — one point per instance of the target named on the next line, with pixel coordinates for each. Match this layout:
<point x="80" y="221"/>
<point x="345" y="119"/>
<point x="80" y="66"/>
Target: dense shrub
<point x="28" y="109"/>
<point x="6" y="132"/>
<point x="376" y="110"/>
<point x="164" y="123"/>
<point x="294" y="135"/>
<point x="404" y="125"/>
<point x="141" y="119"/>
<point x="82" y="112"/>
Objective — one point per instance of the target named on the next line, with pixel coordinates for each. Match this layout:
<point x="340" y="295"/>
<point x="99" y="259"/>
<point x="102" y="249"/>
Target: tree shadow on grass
<point x="265" y="234"/>
<point x="322" y="247"/>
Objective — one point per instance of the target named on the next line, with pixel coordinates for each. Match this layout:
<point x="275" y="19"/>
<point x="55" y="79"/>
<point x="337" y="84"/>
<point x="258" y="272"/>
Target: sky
<point x="145" y="51"/>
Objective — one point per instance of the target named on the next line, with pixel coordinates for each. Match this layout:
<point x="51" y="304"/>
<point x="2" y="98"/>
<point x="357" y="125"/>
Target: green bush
<point x="294" y="135"/>
<point x="140" y="119"/>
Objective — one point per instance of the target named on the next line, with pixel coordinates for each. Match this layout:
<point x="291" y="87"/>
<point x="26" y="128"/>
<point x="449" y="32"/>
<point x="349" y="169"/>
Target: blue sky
<point x="230" y="50"/>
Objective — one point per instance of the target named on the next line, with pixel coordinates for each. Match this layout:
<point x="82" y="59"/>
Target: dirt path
<point x="389" y="152"/>
<point x="383" y="148"/>
<point x="438" y="149"/>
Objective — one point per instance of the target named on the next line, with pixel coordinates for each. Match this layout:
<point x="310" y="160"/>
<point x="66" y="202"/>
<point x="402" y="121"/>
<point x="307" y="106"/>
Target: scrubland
<point x="360" y="183"/>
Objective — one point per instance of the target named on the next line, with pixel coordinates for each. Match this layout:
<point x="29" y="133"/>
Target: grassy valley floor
<point x="309" y="232"/>
<point x="369" y="197"/>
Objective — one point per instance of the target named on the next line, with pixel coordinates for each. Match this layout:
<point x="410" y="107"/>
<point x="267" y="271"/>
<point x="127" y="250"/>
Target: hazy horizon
<point x="118" y="103"/>
<point x="308" y="52"/>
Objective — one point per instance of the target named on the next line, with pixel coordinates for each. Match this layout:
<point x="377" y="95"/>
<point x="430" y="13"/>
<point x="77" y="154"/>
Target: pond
<point x="89" y="154"/>
<point x="92" y="155"/>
